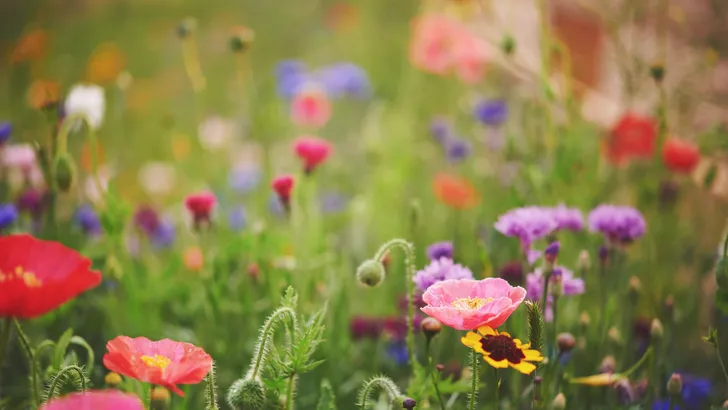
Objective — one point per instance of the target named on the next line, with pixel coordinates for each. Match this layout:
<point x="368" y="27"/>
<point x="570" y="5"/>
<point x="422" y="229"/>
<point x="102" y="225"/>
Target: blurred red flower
<point x="31" y="47"/>
<point x="95" y="400"/>
<point x="312" y="150"/>
<point x="163" y="363"/>
<point x="311" y="107"/>
<point x="283" y="185"/>
<point x="633" y="137"/>
<point x="680" y="156"/>
<point x="38" y="276"/>
<point x="454" y="191"/>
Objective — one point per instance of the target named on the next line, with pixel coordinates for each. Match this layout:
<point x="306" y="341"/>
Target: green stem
<point x="546" y="279"/>
<point x="25" y="343"/>
<point x="60" y="377"/>
<point x="497" y="389"/>
<point x="672" y="404"/>
<point x="639" y="363"/>
<point x="381" y="382"/>
<point x="722" y="364"/>
<point x="266" y="335"/>
<point x="554" y="328"/>
<point x="7" y="331"/>
<point x="474" y="385"/>
<point x="409" y="254"/>
<point x="211" y="392"/>
<point x="433" y="374"/>
<point x="289" y="395"/>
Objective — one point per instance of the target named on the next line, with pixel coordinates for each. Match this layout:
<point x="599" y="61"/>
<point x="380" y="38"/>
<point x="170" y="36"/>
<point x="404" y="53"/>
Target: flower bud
<point x="508" y="44"/>
<point x="656" y="330"/>
<point x="608" y="365"/>
<point x="440" y="367"/>
<point x="370" y="273"/>
<point x="625" y="392"/>
<point x="64" y="171"/>
<point x="603" y="255"/>
<point x="675" y="385"/>
<point x="725" y="405"/>
<point x="634" y="288"/>
<point x="186" y="27"/>
<point x="246" y="394"/>
<point x="559" y="402"/>
<point x="615" y="335"/>
<point x="657" y="72"/>
<point x="551" y="253"/>
<point x="430" y="327"/>
<point x="253" y="271"/>
<point x="112" y="380"/>
<point x="584" y="261"/>
<point x="408" y="403"/>
<point x="241" y="39"/>
<point x="566" y="342"/>
<point x="159" y="398"/>
<point x="584" y="319"/>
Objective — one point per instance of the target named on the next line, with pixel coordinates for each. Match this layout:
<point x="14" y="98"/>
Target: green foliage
<point x="535" y="326"/>
<point x="379" y="382"/>
<point x="73" y="374"/>
<point x="326" y="399"/>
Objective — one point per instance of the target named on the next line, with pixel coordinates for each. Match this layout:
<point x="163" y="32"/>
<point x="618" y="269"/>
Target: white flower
<point x="157" y="178"/>
<point x="91" y="188"/>
<point x="215" y="133"/>
<point x="18" y="156"/>
<point x="87" y="100"/>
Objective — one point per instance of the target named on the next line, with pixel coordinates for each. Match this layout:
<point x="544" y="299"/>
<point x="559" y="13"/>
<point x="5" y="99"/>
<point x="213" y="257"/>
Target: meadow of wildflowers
<point x="363" y="204"/>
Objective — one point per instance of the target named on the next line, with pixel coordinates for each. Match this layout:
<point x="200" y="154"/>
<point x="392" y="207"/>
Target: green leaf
<point x="61" y="347"/>
<point x="79" y="341"/>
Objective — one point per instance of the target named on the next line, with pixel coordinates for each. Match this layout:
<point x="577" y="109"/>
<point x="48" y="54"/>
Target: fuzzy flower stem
<point x="23" y="339"/>
<point x="62" y="147"/>
<point x="433" y="373"/>
<point x="5" y="335"/>
<point x="266" y="336"/>
<point x="381" y="382"/>
<point x="211" y="391"/>
<point x="61" y="377"/>
<point x="409" y="253"/>
<point x="473" y="399"/>
<point x="289" y="394"/>
<point x="554" y="328"/>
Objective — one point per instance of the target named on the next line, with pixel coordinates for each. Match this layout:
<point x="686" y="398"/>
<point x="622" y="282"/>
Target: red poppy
<point x="454" y="191"/>
<point x="95" y="400"/>
<point x="632" y="137"/>
<point x="164" y="363"/>
<point x="680" y="156"/>
<point x="312" y="150"/>
<point x="200" y="206"/>
<point x="38" y="276"/>
<point x="283" y="185"/>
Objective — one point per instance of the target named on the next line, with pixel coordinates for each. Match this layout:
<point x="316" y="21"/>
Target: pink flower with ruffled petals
<point x="95" y="400"/>
<point x="312" y="150"/>
<point x="311" y="107"/>
<point x="466" y="304"/>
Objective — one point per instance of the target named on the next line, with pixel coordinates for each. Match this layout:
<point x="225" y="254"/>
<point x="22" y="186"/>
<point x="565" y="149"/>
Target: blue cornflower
<point x="695" y="391"/>
<point x="291" y="75"/>
<point x="87" y="219"/>
<point x="243" y="180"/>
<point x="457" y="149"/>
<point x="237" y="219"/>
<point x="397" y="351"/>
<point x="344" y="79"/>
<point x="275" y="205"/>
<point x="332" y="202"/>
<point x="441" y="130"/>
<point x="5" y="130"/>
<point x="491" y="112"/>
<point x="8" y="215"/>
<point x="164" y="235"/>
<point x="664" y="405"/>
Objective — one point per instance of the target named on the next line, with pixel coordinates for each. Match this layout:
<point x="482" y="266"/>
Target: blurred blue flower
<point x="491" y="112"/>
<point x="287" y="68"/>
<point x="275" y="206"/>
<point x="664" y="405"/>
<point x="441" y="130"/>
<point x="397" y="351"/>
<point x="290" y="75"/>
<point x="87" y="219"/>
<point x="695" y="392"/>
<point x="5" y="130"/>
<point x="332" y="202"/>
<point x="344" y="79"/>
<point x="164" y="236"/>
<point x="8" y="215"/>
<point x="237" y="219"/>
<point x="457" y="149"/>
<point x="243" y="180"/>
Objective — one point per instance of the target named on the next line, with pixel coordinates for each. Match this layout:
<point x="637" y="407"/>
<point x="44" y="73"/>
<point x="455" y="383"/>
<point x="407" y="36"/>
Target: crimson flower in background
<point x="680" y="156"/>
<point x="311" y="107"/>
<point x="164" y="363"/>
<point x="633" y="137"/>
<point x="95" y="400"/>
<point x="313" y="151"/>
<point x="38" y="276"/>
<point x="200" y="205"/>
<point x="283" y="185"/>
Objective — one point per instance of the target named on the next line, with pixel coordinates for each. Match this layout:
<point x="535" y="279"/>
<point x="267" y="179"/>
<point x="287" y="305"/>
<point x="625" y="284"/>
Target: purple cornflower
<point x="441" y="130"/>
<point x="344" y="79"/>
<point x="237" y="219"/>
<point x="164" y="235"/>
<point x="8" y="215"/>
<point x="332" y="202"/>
<point x="620" y="224"/>
<point x="665" y="404"/>
<point x="87" y="219"/>
<point x="5" y="130"/>
<point x="291" y="75"/>
<point x="695" y="392"/>
<point x="146" y="219"/>
<point x="564" y="278"/>
<point x="397" y="352"/>
<point x="457" y="149"/>
<point x="243" y="180"/>
<point x="440" y="250"/>
<point x="567" y="218"/>
<point x="491" y="112"/>
<point x="439" y="270"/>
<point x="528" y="224"/>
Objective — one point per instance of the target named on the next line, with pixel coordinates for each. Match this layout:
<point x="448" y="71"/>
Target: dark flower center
<point x="502" y="347"/>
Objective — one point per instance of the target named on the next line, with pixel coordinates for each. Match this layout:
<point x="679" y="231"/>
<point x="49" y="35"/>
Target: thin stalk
<point x="433" y="374"/>
<point x="289" y="395"/>
<point x="554" y="328"/>
<point x="497" y="389"/>
<point x="546" y="280"/>
<point x="672" y="404"/>
<point x="720" y="361"/>
<point x="7" y="331"/>
<point x="474" y="385"/>
<point x="25" y="343"/>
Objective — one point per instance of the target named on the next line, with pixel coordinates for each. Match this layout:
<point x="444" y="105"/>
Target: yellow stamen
<point x="471" y="303"/>
<point x="19" y="273"/>
<point x="160" y="362"/>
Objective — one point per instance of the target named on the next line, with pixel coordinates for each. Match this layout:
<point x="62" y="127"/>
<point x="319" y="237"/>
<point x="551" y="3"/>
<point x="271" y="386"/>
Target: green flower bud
<point x="657" y="72"/>
<point x="675" y="385"/>
<point x="508" y="44"/>
<point x="559" y="402"/>
<point x="246" y="394"/>
<point x="64" y="171"/>
<point x="370" y="273"/>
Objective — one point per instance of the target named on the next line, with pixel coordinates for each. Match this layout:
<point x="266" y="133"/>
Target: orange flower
<point x="193" y="259"/>
<point x="43" y="93"/>
<point x="454" y="191"/>
<point x="86" y="160"/>
<point x="31" y="47"/>
<point x="105" y="64"/>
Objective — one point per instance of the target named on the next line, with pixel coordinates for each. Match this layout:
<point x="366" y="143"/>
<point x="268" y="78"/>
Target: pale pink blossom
<point x="466" y="304"/>
<point x="18" y="156"/>
<point x="311" y="107"/>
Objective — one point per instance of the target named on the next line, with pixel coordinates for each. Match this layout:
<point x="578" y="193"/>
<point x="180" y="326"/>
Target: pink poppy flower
<point x="431" y="45"/>
<point x="95" y="400"/>
<point x="470" y="56"/>
<point x="312" y="150"/>
<point x="466" y="304"/>
<point x="311" y="107"/>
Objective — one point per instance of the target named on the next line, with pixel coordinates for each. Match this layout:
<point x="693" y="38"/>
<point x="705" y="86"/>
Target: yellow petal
<point x="533" y="355"/>
<point x="503" y="364"/>
<point x="505" y="334"/>
<point x="604" y="379"/>
<point x="525" y="346"/>
<point x="473" y="342"/>
<point x="473" y="336"/>
<point x="487" y="331"/>
<point x="524" y="367"/>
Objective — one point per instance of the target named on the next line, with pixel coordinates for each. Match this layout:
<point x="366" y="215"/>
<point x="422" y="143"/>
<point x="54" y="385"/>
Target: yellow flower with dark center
<point x="500" y="350"/>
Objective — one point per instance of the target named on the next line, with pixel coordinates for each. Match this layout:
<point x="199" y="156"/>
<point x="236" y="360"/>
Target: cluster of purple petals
<point x="87" y="219"/>
<point x="8" y="215"/>
<point x="439" y="270"/>
<point x="491" y="112"/>
<point x="33" y="202"/>
<point x="571" y="285"/>
<point x="161" y="232"/>
<point x="622" y="224"/>
<point x="567" y="218"/>
<point x="456" y="149"/>
<point x="237" y="219"/>
<point x="339" y="79"/>
<point x="440" y="250"/>
<point x="5" y="130"/>
<point x="528" y="224"/>
<point x="332" y="202"/>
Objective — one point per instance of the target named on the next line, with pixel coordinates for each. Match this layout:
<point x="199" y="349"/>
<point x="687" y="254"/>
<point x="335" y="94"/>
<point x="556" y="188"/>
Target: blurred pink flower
<point x="18" y="156"/>
<point x="95" y="400"/>
<point x="441" y="45"/>
<point x="311" y="107"/>
<point x="466" y="304"/>
<point x="313" y="151"/>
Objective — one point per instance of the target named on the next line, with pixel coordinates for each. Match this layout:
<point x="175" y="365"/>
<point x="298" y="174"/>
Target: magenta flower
<point x="95" y="400"/>
<point x="567" y="218"/>
<point x="619" y="224"/>
<point x="439" y="270"/>
<point x="466" y="304"/>
<point x="440" y="250"/>
<point x="528" y="224"/>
